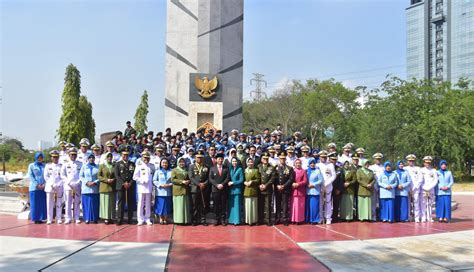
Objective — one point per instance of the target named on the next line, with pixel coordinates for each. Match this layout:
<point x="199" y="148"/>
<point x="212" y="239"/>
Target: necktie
<point x="220" y="171"/>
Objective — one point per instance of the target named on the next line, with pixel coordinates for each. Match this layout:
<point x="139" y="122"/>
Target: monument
<point x="204" y="64"/>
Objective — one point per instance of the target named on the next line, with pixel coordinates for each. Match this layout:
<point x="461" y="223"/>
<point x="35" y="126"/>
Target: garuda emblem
<point x="205" y="86"/>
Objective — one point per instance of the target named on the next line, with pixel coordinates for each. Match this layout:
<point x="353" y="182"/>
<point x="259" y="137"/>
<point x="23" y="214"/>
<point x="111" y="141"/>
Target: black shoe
<point x="106" y="222"/>
<point x="119" y="223"/>
<point x="217" y="223"/>
<point x="87" y="222"/>
<point x="204" y="224"/>
<point x="194" y="224"/>
<point x="95" y="222"/>
<point x="269" y="224"/>
<point x="286" y="224"/>
<point x="224" y="224"/>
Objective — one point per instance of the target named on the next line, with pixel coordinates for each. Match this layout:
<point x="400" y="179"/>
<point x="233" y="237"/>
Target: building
<point x="204" y="38"/>
<point x="440" y="39"/>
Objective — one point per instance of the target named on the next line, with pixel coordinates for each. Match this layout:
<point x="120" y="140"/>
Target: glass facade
<point x="440" y="39"/>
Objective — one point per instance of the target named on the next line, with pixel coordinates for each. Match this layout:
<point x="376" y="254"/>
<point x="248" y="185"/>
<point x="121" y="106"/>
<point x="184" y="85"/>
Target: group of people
<point x="242" y="179"/>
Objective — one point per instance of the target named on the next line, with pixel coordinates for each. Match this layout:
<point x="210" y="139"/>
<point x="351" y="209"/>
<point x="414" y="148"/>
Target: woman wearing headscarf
<point x="36" y="189"/>
<point x="252" y="181"/>
<point x="298" y="194"/>
<point x="107" y="189"/>
<point x="349" y="188"/>
<point x="90" y="190"/>
<point x="443" y="192"/>
<point x="313" y="191"/>
<point x="402" y="208"/>
<point x="235" y="191"/>
<point x="163" y="194"/>
<point x="387" y="182"/>
<point x="181" y="191"/>
<point x="366" y="181"/>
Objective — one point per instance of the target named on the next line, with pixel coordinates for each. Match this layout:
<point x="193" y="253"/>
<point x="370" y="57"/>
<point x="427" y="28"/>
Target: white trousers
<point x="54" y="202"/>
<point x="326" y="203"/>
<point x="73" y="197"/>
<point x="427" y="205"/>
<point x="144" y="201"/>
<point x="418" y="204"/>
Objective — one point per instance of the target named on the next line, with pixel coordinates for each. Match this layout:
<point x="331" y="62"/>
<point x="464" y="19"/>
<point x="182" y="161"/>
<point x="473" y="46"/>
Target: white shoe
<point x="417" y="220"/>
<point x="149" y="223"/>
<point x="140" y="224"/>
<point x="328" y="222"/>
<point x="48" y="222"/>
<point x="59" y="221"/>
<point x="431" y="220"/>
<point x="78" y="221"/>
<point x="67" y="222"/>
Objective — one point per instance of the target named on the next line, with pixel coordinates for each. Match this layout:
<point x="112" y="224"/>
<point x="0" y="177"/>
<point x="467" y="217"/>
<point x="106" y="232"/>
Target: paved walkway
<point x="345" y="246"/>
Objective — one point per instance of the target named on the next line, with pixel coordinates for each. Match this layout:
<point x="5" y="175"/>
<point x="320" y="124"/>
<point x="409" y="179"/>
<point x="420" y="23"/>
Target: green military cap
<point x="176" y="148"/>
<point x="332" y="155"/>
<point x="159" y="147"/>
<point x="323" y="153"/>
<point x="377" y="156"/>
<point x="355" y="156"/>
<point x="265" y="155"/>
<point x="282" y="155"/>
<point x="200" y="154"/>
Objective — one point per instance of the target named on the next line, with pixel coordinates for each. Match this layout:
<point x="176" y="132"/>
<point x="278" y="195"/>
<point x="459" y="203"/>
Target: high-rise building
<point x="440" y="39"/>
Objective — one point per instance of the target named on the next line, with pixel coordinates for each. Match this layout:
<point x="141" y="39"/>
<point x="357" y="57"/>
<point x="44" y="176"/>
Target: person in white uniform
<point x="53" y="188"/>
<point x="143" y="175"/>
<point x="72" y="186"/>
<point x="430" y="180"/>
<point x="329" y="175"/>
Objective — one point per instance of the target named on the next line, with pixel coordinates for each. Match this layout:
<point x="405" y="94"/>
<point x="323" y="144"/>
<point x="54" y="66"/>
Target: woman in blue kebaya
<point x="235" y="191"/>
<point x="402" y="208"/>
<point x="387" y="182"/>
<point x="443" y="192"/>
<point x="37" y="194"/>
<point x="315" y="179"/>
<point x="90" y="190"/>
<point x="162" y="183"/>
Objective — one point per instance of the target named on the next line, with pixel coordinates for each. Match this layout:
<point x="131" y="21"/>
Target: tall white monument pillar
<point x="204" y="39"/>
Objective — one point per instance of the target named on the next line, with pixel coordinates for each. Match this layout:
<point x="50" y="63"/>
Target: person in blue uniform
<point x="443" y="192"/>
<point x="387" y="183"/>
<point x="36" y="188"/>
<point x="163" y="194"/>
<point x="90" y="190"/>
<point x="313" y="191"/>
<point x="402" y="207"/>
<point x="236" y="179"/>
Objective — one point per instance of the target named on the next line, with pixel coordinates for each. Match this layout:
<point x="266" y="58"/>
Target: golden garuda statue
<point x="205" y="86"/>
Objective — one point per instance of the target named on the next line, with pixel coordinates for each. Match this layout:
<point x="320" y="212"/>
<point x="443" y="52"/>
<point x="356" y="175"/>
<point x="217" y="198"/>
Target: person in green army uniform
<point x="338" y="186"/>
<point x="107" y="189"/>
<point x="366" y="181"/>
<point x="124" y="186"/>
<point x="348" y="192"/>
<point x="268" y="178"/>
<point x="252" y="182"/>
<point x="199" y="175"/>
<point x="181" y="191"/>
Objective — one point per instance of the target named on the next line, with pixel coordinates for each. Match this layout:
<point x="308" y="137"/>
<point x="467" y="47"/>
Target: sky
<point x="119" y="48"/>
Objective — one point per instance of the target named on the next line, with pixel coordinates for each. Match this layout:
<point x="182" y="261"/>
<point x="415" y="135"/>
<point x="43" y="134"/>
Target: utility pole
<point x="258" y="94"/>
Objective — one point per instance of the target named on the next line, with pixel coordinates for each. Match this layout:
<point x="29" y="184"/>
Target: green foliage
<point x="141" y="114"/>
<point x="401" y="117"/>
<point x="76" y="120"/>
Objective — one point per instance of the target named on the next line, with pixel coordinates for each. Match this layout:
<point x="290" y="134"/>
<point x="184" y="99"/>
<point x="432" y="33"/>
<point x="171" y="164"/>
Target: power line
<point x="258" y="94"/>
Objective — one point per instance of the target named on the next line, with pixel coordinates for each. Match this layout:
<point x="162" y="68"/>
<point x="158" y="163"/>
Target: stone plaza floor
<point x="339" y="247"/>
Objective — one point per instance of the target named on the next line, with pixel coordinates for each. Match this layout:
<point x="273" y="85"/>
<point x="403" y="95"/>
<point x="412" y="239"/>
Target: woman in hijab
<point x="36" y="188"/>
<point x="366" y="181"/>
<point x="402" y="208"/>
<point x="313" y="191"/>
<point x="298" y="195"/>
<point x="163" y="194"/>
<point x="107" y="189"/>
<point x="443" y="192"/>
<point x="90" y="190"/>
<point x="252" y="181"/>
<point x="387" y="182"/>
<point x="235" y="191"/>
<point x="181" y="190"/>
<point x="349" y="189"/>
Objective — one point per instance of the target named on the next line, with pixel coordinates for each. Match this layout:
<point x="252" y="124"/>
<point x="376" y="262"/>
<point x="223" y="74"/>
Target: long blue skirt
<point x="234" y="209"/>
<point x="443" y="207"/>
<point x="401" y="208"/>
<point x="387" y="209"/>
<point x="312" y="209"/>
<point x="163" y="205"/>
<point x="90" y="207"/>
<point x="37" y="205"/>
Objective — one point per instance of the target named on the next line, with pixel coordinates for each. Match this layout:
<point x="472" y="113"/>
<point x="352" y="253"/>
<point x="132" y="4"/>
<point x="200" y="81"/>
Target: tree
<point x="88" y="122"/>
<point x="76" y="120"/>
<point x="141" y="114"/>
